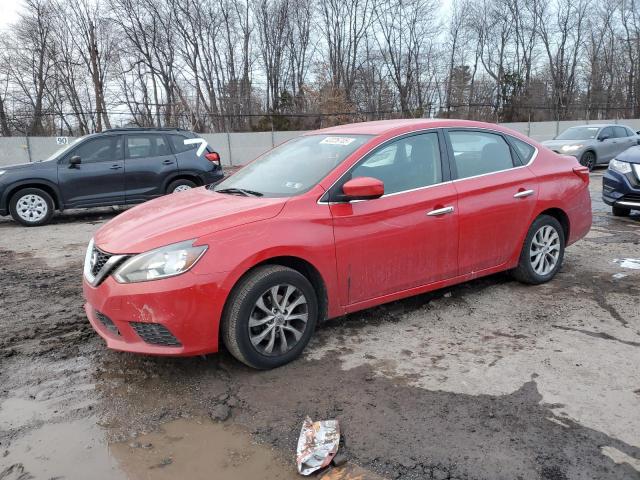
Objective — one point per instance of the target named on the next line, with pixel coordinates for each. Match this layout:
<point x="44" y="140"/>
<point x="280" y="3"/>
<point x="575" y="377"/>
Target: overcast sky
<point x="10" y="8"/>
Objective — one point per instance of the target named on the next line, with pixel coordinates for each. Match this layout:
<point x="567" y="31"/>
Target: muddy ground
<point x="486" y="380"/>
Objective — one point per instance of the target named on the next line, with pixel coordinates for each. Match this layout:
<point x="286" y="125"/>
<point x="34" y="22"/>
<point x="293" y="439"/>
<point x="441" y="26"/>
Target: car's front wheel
<point x="542" y="252"/>
<point x="269" y="317"/>
<point x="588" y="159"/>
<point x="620" y="212"/>
<point x="31" y="207"/>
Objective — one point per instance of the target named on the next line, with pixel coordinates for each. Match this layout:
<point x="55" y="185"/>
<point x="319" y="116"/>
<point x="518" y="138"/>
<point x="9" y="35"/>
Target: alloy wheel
<point x="545" y="250"/>
<point x="278" y="320"/>
<point x="181" y="188"/>
<point x="32" y="208"/>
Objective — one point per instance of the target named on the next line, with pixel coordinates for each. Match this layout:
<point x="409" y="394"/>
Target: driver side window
<point x="405" y="164"/>
<point x="102" y="149"/>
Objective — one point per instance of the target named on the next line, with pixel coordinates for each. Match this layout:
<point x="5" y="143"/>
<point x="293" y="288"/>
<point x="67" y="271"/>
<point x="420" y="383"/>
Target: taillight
<point x="213" y="157"/>
<point x="582" y="172"/>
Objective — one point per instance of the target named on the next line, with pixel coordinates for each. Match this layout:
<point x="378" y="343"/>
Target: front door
<point x="99" y="178"/>
<point x="406" y="238"/>
<point x="496" y="198"/>
<point x="149" y="162"/>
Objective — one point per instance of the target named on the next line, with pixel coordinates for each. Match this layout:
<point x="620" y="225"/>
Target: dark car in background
<point x="122" y="166"/>
<point x="621" y="183"/>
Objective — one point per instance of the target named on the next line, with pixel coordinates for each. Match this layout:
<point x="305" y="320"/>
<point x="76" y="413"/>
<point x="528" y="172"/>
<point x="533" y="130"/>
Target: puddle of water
<point x="200" y="450"/>
<point x="71" y="450"/>
<point x="192" y="449"/>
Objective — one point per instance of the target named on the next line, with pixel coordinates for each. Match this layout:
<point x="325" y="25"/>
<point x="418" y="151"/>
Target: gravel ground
<point x="486" y="380"/>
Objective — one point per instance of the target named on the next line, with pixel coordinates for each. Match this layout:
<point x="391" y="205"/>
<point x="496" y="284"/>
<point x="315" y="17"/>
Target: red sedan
<point x="334" y="221"/>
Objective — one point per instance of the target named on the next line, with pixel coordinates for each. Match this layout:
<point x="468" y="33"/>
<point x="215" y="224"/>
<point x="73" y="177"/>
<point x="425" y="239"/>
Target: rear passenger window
<point x="525" y="150"/>
<point x="477" y="153"/>
<point x="405" y="164"/>
<point x="177" y="142"/>
<point x="141" y="146"/>
<point x="620" y="132"/>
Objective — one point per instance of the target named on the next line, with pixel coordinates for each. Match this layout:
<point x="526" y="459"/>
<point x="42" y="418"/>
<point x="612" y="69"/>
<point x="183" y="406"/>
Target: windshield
<point x="293" y="167"/>
<point x="63" y="150"/>
<point x="579" y="133"/>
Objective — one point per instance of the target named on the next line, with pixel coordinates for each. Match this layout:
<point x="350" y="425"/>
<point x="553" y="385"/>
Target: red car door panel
<point x="392" y="244"/>
<point x="495" y="211"/>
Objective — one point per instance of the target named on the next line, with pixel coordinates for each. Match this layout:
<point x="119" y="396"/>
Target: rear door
<point x="625" y="139"/>
<point x="99" y="178"/>
<point x="406" y="238"/>
<point x="148" y="164"/>
<point x="496" y="197"/>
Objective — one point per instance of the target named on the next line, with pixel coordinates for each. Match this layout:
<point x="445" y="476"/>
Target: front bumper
<point x="176" y="316"/>
<point x="621" y="190"/>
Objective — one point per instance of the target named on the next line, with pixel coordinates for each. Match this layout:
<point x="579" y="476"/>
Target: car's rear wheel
<point x="31" y="207"/>
<point x="542" y="252"/>
<point x="621" y="212"/>
<point x="269" y="317"/>
<point x="180" y="185"/>
<point x="588" y="159"/>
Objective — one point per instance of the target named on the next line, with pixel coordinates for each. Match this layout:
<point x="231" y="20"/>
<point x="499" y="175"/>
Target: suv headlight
<point x="162" y="262"/>
<point x="620" y="167"/>
<point x="570" y="148"/>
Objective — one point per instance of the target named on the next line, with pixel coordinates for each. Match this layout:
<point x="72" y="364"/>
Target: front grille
<point x="108" y="323"/>
<point x="155" y="334"/>
<point x="631" y="197"/>
<point x="100" y="259"/>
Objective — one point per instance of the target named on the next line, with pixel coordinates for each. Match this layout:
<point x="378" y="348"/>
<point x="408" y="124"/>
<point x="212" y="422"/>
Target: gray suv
<point x="594" y="144"/>
<point x="118" y="167"/>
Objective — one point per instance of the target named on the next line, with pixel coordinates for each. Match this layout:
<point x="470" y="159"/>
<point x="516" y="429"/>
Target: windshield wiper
<point x="241" y="191"/>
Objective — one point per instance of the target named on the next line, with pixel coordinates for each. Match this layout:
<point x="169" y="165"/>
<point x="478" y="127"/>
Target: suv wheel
<point x="588" y="159"/>
<point x="180" y="186"/>
<point x="270" y="317"/>
<point x="542" y="252"/>
<point x="620" y="212"/>
<point x="31" y="207"/>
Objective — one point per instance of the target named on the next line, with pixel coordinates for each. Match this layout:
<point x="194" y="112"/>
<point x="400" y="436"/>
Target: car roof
<point x="599" y="125"/>
<point x="383" y="127"/>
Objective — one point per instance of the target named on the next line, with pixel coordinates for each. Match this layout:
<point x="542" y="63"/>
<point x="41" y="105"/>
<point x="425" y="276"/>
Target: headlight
<point x="620" y="167"/>
<point x="160" y="263"/>
<point x="570" y="148"/>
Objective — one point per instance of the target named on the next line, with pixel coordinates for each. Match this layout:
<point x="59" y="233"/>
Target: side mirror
<point x="74" y="161"/>
<point x="602" y="138"/>
<point x="363" y="188"/>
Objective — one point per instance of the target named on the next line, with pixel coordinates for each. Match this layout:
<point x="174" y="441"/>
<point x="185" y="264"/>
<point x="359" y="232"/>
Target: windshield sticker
<point x="296" y="185"/>
<point x="337" y="141"/>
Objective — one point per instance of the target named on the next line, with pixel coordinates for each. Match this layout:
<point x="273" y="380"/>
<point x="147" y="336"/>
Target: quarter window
<point x="177" y="142"/>
<point x="476" y="153"/>
<point x="140" y="146"/>
<point x="405" y="164"/>
<point x="525" y="150"/>
<point x="102" y="149"/>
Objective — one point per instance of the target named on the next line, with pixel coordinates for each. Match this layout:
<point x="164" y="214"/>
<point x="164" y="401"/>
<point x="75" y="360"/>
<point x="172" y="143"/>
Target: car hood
<point x="181" y="216"/>
<point x="556" y="144"/>
<point x="631" y="155"/>
<point x="26" y="166"/>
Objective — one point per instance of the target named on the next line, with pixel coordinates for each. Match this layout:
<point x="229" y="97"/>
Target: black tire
<point x="620" y="212"/>
<point x="182" y="182"/>
<point x="525" y="271"/>
<point x="43" y="207"/>
<point x="589" y="159"/>
<point x="235" y="330"/>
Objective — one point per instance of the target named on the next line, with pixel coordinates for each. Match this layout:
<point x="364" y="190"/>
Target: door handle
<point x="115" y="167"/>
<point x="524" y="193"/>
<point x="440" y="211"/>
<point x="167" y="162"/>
